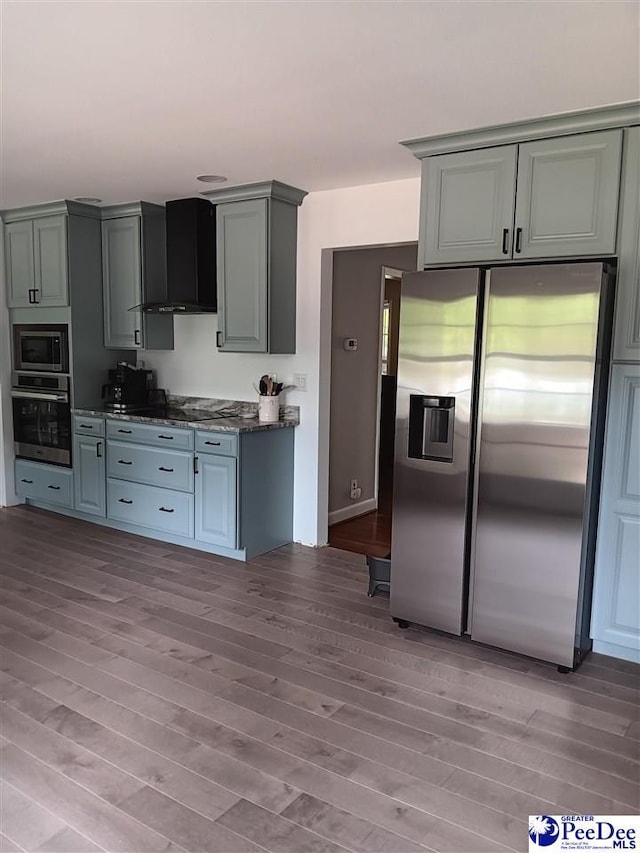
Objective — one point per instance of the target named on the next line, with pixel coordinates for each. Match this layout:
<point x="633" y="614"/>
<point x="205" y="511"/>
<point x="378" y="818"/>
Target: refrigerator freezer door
<point x="435" y="377"/>
<point x="535" y="413"/>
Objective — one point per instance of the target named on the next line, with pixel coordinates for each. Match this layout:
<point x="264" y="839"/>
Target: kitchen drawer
<point x="163" y="436"/>
<point x="155" y="466"/>
<point x="88" y="426"/>
<point x="149" y="506"/>
<point x="46" y="483"/>
<point x="222" y="443"/>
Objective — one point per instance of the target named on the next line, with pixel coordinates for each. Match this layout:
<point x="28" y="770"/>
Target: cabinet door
<point x="241" y="233"/>
<point x="626" y="340"/>
<point x="467" y="206"/>
<point x="18" y="250"/>
<point x="50" y="261"/>
<point x="122" y="282"/>
<point x="567" y="196"/>
<point x="89" y="475"/>
<point x="615" y="626"/>
<point x="216" y="510"/>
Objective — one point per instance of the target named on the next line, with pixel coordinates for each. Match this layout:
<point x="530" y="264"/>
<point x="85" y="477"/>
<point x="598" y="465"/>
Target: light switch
<point x="350" y="344"/>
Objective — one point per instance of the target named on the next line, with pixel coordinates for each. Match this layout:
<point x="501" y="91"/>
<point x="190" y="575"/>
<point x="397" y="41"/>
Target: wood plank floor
<point x="157" y="698"/>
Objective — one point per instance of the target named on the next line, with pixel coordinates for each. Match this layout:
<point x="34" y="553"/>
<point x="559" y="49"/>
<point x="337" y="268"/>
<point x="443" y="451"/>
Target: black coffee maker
<point x="128" y="388"/>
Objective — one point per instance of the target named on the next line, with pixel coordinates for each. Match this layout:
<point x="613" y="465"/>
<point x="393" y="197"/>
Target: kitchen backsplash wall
<point x="196" y="368"/>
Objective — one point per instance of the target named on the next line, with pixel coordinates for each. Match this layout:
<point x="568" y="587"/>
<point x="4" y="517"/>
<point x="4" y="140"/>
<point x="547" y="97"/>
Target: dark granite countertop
<point x="246" y="419"/>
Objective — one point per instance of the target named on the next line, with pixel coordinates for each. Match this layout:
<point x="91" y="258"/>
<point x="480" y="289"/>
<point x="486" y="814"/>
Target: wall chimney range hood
<point x="191" y="259"/>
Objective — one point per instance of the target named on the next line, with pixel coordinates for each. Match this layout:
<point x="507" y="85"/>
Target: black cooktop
<point x="174" y="414"/>
<point x="168" y="413"/>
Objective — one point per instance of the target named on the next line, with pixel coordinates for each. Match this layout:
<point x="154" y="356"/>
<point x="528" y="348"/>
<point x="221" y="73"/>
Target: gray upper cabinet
<point x="567" y="196"/>
<point x="540" y="189"/>
<point x="626" y="341"/>
<point x="256" y="240"/>
<point x="467" y="205"/>
<point x="36" y="262"/>
<point x="242" y="275"/>
<point x="133" y="272"/>
<point x="122" y="282"/>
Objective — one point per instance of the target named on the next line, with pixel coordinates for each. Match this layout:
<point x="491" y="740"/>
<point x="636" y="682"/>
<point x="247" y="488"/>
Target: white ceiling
<point x="132" y="100"/>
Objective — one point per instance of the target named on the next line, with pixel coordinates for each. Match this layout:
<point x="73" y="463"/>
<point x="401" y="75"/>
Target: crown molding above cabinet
<point x="564" y="124"/>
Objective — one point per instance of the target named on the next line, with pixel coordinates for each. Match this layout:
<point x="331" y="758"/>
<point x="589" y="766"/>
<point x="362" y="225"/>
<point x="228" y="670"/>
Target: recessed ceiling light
<point x="211" y="179"/>
<point x="87" y="199"/>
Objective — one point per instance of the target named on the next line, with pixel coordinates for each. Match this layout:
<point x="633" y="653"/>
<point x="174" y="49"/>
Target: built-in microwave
<point x="42" y="347"/>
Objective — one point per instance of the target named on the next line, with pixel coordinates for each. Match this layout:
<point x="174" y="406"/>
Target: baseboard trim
<point x="352" y="511"/>
<point x="614" y="651"/>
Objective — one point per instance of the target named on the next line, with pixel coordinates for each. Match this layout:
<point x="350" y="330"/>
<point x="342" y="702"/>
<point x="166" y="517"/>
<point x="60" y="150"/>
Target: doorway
<point x="365" y="323"/>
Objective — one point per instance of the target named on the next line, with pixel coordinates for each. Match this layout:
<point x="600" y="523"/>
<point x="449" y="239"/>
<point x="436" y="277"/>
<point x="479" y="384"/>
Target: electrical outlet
<point x="300" y="381"/>
<point x="354" y="490"/>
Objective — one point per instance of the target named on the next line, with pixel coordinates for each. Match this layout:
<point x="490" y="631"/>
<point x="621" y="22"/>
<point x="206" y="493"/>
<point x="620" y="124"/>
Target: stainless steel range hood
<point x="191" y="259"/>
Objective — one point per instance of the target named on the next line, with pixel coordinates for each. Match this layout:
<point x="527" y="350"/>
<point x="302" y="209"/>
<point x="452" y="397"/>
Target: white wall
<point x="355" y="216"/>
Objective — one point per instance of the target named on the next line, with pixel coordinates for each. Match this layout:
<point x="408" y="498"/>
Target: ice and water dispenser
<point x="431" y="422"/>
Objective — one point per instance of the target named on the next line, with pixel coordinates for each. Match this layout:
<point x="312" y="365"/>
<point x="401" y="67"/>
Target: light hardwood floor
<point x="156" y="698"/>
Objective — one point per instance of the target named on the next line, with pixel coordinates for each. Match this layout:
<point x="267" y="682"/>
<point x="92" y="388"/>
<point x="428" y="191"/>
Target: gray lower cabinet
<point x="89" y="474"/>
<point x="615" y="625"/>
<point x="227" y="493"/>
<point x="36" y="262"/>
<point x="133" y="272"/>
<point x="165" y="510"/>
<point x="467" y="205"/>
<point x="216" y="500"/>
<point x="50" y="484"/>
<point x="626" y="346"/>
<point x="550" y="198"/>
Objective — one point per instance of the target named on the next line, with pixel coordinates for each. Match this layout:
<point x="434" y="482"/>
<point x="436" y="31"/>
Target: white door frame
<point x="385" y="272"/>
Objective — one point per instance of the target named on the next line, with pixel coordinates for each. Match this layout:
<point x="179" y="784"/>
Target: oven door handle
<point x="40" y="395"/>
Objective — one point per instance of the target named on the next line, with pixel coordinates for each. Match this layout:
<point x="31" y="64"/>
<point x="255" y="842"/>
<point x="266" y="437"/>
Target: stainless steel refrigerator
<point x="500" y="415"/>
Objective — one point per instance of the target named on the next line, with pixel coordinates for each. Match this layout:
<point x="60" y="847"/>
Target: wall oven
<point x="42" y="417"/>
<point x="41" y="347"/>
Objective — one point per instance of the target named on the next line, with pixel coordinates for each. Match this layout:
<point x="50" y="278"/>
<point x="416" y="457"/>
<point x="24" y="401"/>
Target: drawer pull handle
<point x="164" y="509"/>
<point x="505" y="241"/>
<point x="127" y="431"/>
<point x="170" y="470"/>
<point x="99" y="450"/>
<point x="26" y="481"/>
<point x="518" y="240"/>
<point x="124" y="501"/>
<point x="86" y="426"/>
<point x="167" y="437"/>
<point x="213" y="443"/>
<point x="55" y="488"/>
<point x="124" y="462"/>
